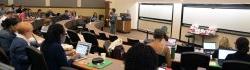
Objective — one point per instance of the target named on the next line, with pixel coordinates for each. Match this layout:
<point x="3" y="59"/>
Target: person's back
<point x="54" y="56"/>
<point x="242" y="45"/>
<point x="159" y="46"/>
<point x="19" y="59"/>
<point x="51" y="47"/>
<point x="223" y="44"/>
<point x="141" y="57"/>
<point x="6" y="38"/>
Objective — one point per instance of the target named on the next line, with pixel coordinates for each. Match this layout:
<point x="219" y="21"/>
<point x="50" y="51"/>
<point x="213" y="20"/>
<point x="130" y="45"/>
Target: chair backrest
<point x="118" y="52"/>
<point x="132" y="41"/>
<point x="85" y="29"/>
<point x="112" y="38"/>
<point x="193" y="60"/>
<point x="73" y="36"/>
<point x="90" y="38"/>
<point x="3" y="56"/>
<point x="235" y="65"/>
<point x="103" y="36"/>
<point x="92" y="31"/>
<point x="37" y="59"/>
<point x="181" y="49"/>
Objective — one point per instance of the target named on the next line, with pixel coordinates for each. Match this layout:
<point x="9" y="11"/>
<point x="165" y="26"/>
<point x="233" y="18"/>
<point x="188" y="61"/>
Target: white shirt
<point x="1" y="20"/>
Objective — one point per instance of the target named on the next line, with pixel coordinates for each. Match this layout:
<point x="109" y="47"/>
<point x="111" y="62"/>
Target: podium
<point x="123" y="26"/>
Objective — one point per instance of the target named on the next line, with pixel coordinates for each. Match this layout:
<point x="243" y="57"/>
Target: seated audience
<point x="39" y="13"/>
<point x="141" y="57"/>
<point x="50" y="13"/>
<point x="94" y="17"/>
<point x="159" y="45"/>
<point x="242" y="46"/>
<point x="223" y="44"/>
<point x="8" y="14"/>
<point x="23" y="16"/>
<point x="2" y="9"/>
<point x="18" y="55"/>
<point x="12" y="8"/>
<point x="51" y="47"/>
<point x="20" y="9"/>
<point x="7" y="34"/>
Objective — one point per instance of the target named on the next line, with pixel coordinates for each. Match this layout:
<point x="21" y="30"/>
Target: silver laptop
<point x="83" y="48"/>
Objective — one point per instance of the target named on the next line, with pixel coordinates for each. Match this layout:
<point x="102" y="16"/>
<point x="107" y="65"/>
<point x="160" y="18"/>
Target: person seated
<point x="8" y="14"/>
<point x="23" y="16"/>
<point x="141" y="57"/>
<point x="18" y="55"/>
<point x="223" y="44"/>
<point x="2" y="9"/>
<point x="160" y="47"/>
<point x="53" y="51"/>
<point x="94" y="17"/>
<point x="242" y="46"/>
<point x="7" y="34"/>
<point x="50" y="13"/>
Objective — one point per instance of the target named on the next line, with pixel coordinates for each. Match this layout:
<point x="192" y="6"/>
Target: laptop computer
<point x="223" y="54"/>
<point x="171" y="42"/>
<point x="209" y="48"/>
<point x="83" y="48"/>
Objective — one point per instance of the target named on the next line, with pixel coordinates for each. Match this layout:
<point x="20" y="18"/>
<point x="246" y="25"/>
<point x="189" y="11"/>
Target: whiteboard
<point x="230" y="19"/>
<point x="156" y="11"/>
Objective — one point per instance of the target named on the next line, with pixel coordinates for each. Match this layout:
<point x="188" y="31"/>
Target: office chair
<point x="37" y="59"/>
<point x="73" y="36"/>
<point x="102" y="36"/>
<point x="92" y="31"/>
<point x="112" y="38"/>
<point x="91" y="38"/>
<point x="235" y="65"/>
<point x="3" y="57"/>
<point x="132" y="41"/>
<point x="181" y="49"/>
<point x="85" y="29"/>
<point x="193" y="60"/>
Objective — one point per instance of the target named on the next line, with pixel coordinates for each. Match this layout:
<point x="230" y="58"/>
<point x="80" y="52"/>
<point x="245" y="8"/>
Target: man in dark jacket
<point x="7" y="34"/>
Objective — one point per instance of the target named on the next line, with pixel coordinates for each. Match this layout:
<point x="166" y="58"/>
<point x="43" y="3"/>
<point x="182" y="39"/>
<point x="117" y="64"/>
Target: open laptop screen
<point x="83" y="48"/>
<point x="223" y="53"/>
<point x="210" y="46"/>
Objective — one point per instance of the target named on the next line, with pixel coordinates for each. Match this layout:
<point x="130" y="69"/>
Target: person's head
<point x="10" y="24"/>
<point x="141" y="57"/>
<point x="55" y="33"/>
<point x="10" y="14"/>
<point x="39" y="10"/>
<point x="113" y="10"/>
<point x="25" y="10"/>
<point x="224" y="43"/>
<point x="66" y="11"/>
<point x="25" y="29"/>
<point x="47" y="22"/>
<point x="158" y="34"/>
<point x="242" y="45"/>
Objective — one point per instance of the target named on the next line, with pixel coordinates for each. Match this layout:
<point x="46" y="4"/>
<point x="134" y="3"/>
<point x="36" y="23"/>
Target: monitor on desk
<point x="209" y="46"/>
<point x="223" y="53"/>
<point x="83" y="48"/>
